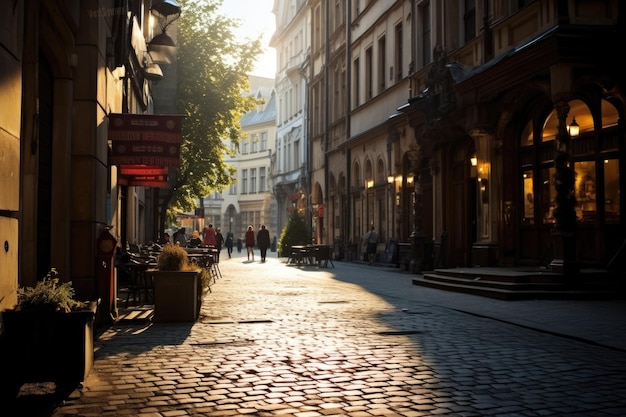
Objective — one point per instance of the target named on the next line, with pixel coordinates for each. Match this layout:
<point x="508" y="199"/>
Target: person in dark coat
<point x="239" y="245"/>
<point x="219" y="240"/>
<point x="229" y="243"/>
<point x="263" y="241"/>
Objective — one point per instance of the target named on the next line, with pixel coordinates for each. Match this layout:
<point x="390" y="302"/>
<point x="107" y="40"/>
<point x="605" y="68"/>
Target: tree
<point x="212" y="75"/>
<point x="295" y="232"/>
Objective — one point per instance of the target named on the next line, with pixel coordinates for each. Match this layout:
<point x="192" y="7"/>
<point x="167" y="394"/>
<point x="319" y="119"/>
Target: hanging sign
<point x="144" y="176"/>
<point x="145" y="139"/>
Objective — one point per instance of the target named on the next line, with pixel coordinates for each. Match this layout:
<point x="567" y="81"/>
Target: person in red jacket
<point x="249" y="240"/>
<point x="209" y="236"/>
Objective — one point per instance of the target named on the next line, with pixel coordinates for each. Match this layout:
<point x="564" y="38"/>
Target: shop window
<point x="529" y="198"/>
<point x="611" y="190"/>
<point x="585" y="188"/>
<point x="527" y="134"/>
<point x="548" y="195"/>
<point x="609" y="114"/>
<point x="578" y="110"/>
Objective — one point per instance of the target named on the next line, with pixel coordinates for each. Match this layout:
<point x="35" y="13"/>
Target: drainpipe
<point x="347" y="218"/>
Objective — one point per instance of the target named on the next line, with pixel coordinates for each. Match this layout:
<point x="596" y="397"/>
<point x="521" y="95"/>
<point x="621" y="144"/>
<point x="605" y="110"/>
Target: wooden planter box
<point x="46" y="346"/>
<point x="177" y="296"/>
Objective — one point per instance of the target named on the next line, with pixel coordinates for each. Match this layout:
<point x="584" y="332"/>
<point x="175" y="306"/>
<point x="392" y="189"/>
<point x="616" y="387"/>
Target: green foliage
<point x="295" y="232"/>
<point x="49" y="294"/>
<point x="212" y="74"/>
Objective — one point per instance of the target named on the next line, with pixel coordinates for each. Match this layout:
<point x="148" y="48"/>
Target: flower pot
<point x="41" y="345"/>
<point x="177" y="296"/>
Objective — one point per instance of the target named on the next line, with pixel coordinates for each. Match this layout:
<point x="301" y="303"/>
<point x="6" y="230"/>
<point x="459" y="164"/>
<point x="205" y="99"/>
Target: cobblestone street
<point x="276" y="339"/>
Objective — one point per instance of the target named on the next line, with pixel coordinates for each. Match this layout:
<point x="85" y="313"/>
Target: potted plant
<point x="179" y="286"/>
<point x="47" y="336"/>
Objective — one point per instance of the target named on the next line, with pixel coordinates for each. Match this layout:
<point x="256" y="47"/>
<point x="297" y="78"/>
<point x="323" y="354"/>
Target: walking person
<point x="371" y="240"/>
<point x="219" y="242"/>
<point x="249" y="239"/>
<point x="239" y="245"/>
<point x="229" y="243"/>
<point x="263" y="241"/>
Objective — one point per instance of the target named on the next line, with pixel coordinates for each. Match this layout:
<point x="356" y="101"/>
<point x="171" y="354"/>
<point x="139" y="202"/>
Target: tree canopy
<point x="212" y="70"/>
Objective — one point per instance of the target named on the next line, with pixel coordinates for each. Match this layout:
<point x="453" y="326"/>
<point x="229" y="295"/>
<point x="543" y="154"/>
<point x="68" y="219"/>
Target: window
<point x="244" y="181"/>
<point x="529" y="198"/>
<point x="369" y="82"/>
<point x="356" y="84"/>
<point x="469" y="20"/>
<point x="527" y="134"/>
<point x="296" y="154"/>
<point x="611" y="190"/>
<point x="317" y="28"/>
<point x="263" y="141"/>
<point x="398" y="52"/>
<point x="244" y="146"/>
<point x="255" y="143"/>
<point x="426" y="49"/>
<point x="262" y="179"/>
<point x="382" y="62"/>
<point x="252" y="180"/>
<point x="585" y="189"/>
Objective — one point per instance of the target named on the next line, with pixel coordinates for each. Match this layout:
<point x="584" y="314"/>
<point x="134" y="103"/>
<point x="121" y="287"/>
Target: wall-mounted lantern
<point x="574" y="128"/>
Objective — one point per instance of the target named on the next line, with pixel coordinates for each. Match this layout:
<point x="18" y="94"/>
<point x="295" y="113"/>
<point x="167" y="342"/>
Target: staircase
<point x="524" y="283"/>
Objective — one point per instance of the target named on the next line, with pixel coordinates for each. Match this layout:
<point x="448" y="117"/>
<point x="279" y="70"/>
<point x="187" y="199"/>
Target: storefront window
<point x="585" y="188"/>
<point x="611" y="190"/>
<point x="529" y="198"/>
<point x="548" y="195"/>
<point x="527" y="135"/>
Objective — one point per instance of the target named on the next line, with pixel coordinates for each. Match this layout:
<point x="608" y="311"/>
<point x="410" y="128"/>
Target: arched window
<point x="594" y="153"/>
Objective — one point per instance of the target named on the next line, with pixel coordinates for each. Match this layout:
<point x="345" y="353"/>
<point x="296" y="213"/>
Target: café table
<point x="301" y="254"/>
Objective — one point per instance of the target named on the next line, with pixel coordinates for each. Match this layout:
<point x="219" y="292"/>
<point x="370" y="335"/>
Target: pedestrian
<point x="229" y="243"/>
<point x="249" y="238"/>
<point x="219" y="241"/>
<point x="239" y="245"/>
<point x="371" y="240"/>
<point x="263" y="241"/>
<point x="209" y="236"/>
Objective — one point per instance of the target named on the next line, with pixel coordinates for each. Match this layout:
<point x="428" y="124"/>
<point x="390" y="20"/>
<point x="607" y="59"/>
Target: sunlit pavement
<point x="354" y="340"/>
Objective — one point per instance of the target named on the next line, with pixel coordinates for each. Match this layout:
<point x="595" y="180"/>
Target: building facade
<point x="66" y="67"/>
<point x="249" y="200"/>
<point x="446" y="125"/>
<point x="290" y="170"/>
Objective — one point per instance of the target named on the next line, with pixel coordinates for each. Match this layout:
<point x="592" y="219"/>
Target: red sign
<point x="320" y="210"/>
<point x="144" y="176"/>
<point x="145" y="139"/>
<point x="157" y="181"/>
<point x="142" y="170"/>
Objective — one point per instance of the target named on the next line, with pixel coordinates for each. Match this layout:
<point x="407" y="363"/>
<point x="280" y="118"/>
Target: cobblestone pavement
<point x="279" y="340"/>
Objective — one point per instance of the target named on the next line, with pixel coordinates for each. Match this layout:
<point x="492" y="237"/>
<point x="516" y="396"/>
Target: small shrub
<point x="295" y="232"/>
<point x="49" y="294"/>
<point x="173" y="258"/>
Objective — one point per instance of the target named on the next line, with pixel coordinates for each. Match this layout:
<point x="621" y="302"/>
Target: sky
<point x="257" y="19"/>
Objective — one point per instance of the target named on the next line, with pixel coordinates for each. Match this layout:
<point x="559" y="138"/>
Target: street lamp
<point x="230" y="225"/>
